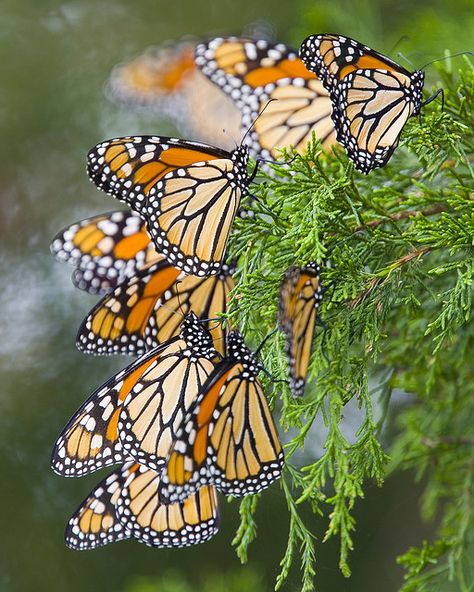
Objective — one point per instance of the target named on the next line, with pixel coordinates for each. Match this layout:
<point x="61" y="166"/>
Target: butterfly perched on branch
<point x="138" y="411"/>
<point x="300" y="297"/>
<point x="372" y="96"/>
<point x="188" y="193"/>
<point x="228" y="437"/>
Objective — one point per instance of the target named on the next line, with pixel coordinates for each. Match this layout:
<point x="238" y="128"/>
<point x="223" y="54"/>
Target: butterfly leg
<point x="440" y="91"/>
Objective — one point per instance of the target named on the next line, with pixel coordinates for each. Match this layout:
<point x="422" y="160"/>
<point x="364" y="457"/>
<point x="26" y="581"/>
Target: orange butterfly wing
<point x="253" y="73"/>
<point x="300" y="296"/>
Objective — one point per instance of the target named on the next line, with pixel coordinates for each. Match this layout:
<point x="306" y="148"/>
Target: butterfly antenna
<point x="179" y="301"/>
<point x="407" y="60"/>
<point x="440" y="91"/>
<point x="255" y="120"/>
<point x="278" y="161"/>
<point x="402" y="38"/>
<point x="448" y="57"/>
<point x="265" y="339"/>
<point x="176" y="312"/>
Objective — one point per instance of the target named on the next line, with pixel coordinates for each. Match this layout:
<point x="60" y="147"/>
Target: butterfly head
<point x="197" y="337"/>
<point x="237" y="350"/>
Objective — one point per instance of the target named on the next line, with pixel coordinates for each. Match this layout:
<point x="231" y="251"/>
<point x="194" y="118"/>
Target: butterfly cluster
<point x="189" y="417"/>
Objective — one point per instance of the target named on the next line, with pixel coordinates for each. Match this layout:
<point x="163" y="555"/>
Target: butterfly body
<point x="188" y="193"/>
<point x="372" y="96"/>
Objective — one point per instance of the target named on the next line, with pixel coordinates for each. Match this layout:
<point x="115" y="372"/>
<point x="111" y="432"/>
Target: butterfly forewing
<point x="206" y="297"/>
<point x="253" y="73"/>
<point x="372" y="96"/>
<point x="90" y="440"/>
<point x="95" y="522"/>
<point x="228" y="438"/>
<point x="118" y="323"/>
<point x="155" y="524"/>
<point x="300" y="297"/>
<point x="157" y="403"/>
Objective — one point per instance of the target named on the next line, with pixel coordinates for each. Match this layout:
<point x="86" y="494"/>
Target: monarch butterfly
<point x="189" y="193"/>
<point x="156" y="390"/>
<point x="166" y="81"/>
<point x="372" y="97"/>
<point x="228" y="437"/>
<point x="126" y="504"/>
<point x="146" y="310"/>
<point x="105" y="249"/>
<point x="255" y="72"/>
<point x="300" y="297"/>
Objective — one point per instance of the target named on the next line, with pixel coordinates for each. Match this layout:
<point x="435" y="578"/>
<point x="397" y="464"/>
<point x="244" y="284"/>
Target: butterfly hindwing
<point x="191" y="211"/>
<point x="228" y="438"/>
<point x="193" y="521"/>
<point x="372" y="97"/>
<point x="300" y="296"/>
<point x="95" y="522"/>
<point x="126" y="504"/>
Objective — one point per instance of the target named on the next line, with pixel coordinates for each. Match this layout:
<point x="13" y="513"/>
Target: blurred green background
<point x="55" y="59"/>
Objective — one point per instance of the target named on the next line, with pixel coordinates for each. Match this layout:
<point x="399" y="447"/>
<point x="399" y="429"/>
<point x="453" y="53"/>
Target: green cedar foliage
<point x="396" y="250"/>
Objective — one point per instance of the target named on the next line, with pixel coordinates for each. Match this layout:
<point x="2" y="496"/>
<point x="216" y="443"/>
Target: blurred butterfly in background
<point x="300" y="297"/>
<point x="166" y="81"/>
<point x="228" y="437"/>
<point x="253" y="73"/>
<point x="372" y="97"/>
<point x="105" y="249"/>
<point x="126" y="504"/>
<point x="188" y="193"/>
<point x="154" y="392"/>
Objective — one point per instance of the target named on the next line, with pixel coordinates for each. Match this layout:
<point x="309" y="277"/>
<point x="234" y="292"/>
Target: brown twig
<point x="402" y="215"/>
<point x="374" y="282"/>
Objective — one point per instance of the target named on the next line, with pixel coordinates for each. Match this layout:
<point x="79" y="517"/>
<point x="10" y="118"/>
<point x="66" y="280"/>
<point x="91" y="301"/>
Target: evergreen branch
<point x="402" y="216"/>
<point x="392" y="311"/>
<point x="247" y="530"/>
<point x="298" y="536"/>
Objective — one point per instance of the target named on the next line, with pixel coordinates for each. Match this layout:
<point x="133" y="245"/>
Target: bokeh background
<point x="55" y="59"/>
